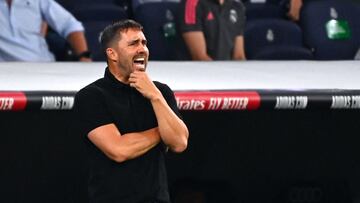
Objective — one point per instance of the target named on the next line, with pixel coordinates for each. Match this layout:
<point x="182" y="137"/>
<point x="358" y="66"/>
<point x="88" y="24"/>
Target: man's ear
<point x="111" y="54"/>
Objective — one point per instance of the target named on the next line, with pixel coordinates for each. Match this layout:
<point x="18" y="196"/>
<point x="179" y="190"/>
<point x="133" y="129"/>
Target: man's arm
<point x="43" y="28"/>
<point x="172" y="129"/>
<point x="66" y="25"/>
<point x="123" y="147"/>
<point x="190" y="15"/>
<point x="196" y="44"/>
<point x="294" y="9"/>
<point x="78" y="43"/>
<point x="239" y="50"/>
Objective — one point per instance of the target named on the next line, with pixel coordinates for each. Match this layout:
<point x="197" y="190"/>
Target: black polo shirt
<point x="142" y="179"/>
<point x="221" y="24"/>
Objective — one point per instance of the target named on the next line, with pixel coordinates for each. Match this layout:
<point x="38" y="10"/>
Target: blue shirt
<point x="20" y="37"/>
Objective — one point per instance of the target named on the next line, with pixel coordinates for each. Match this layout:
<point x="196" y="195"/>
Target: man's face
<point x="132" y="52"/>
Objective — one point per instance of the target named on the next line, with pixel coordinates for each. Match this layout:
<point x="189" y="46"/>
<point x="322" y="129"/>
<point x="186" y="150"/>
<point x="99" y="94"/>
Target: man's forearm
<point x="196" y="44"/>
<point x="121" y="147"/>
<point x="138" y="143"/>
<point x="239" y="49"/>
<point x="78" y="43"/>
<point x="173" y="130"/>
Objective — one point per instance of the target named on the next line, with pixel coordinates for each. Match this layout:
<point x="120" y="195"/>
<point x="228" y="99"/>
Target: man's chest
<point x="130" y="111"/>
<point x="215" y="17"/>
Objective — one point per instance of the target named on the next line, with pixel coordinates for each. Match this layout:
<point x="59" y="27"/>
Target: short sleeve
<point x="169" y="96"/>
<point x="90" y="110"/>
<point x="59" y="18"/>
<point x="190" y="16"/>
<point x="240" y="25"/>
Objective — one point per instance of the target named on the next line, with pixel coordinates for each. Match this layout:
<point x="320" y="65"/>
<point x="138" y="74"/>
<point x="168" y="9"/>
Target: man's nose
<point x="142" y="48"/>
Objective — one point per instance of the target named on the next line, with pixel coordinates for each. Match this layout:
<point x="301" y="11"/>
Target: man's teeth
<point x="139" y="60"/>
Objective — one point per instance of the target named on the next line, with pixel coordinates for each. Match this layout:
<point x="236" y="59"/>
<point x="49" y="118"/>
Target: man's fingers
<point x="140" y="69"/>
<point x="132" y="84"/>
<point x="132" y="79"/>
<point x="135" y="74"/>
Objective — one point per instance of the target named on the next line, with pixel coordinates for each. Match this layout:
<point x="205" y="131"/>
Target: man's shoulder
<point x="199" y="4"/>
<point x="164" y="88"/>
<point x="160" y="84"/>
<point x="92" y="88"/>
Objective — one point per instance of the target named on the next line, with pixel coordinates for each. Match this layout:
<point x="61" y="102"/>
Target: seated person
<point x="23" y="25"/>
<point x="213" y="29"/>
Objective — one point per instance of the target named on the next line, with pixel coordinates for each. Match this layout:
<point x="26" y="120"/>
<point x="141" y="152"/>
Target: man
<point x="128" y="122"/>
<point x="213" y="29"/>
<point x="22" y="24"/>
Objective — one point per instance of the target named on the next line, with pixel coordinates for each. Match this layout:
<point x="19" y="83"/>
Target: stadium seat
<point x="263" y="10"/>
<point x="136" y="3"/>
<point x="67" y="4"/>
<point x="331" y="29"/>
<point x="58" y="46"/>
<point x="95" y="18"/>
<point x="274" y="39"/>
<point x="92" y="34"/>
<point x="256" y="9"/>
<point x="72" y="5"/>
<point x="104" y="12"/>
<point x="159" y="22"/>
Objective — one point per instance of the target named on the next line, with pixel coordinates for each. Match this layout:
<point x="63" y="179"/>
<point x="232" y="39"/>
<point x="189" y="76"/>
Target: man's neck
<point x="115" y="71"/>
<point x="221" y="2"/>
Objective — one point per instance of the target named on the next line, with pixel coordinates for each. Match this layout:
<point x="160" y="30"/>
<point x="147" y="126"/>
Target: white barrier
<point x="243" y="75"/>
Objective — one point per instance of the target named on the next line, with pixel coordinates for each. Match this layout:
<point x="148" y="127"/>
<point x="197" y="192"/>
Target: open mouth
<point x="139" y="61"/>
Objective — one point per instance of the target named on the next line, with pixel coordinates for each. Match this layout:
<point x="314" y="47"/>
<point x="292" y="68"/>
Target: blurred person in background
<point x="213" y="29"/>
<point x="23" y="25"/>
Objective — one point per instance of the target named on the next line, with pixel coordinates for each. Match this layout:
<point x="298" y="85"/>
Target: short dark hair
<point x="112" y="32"/>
